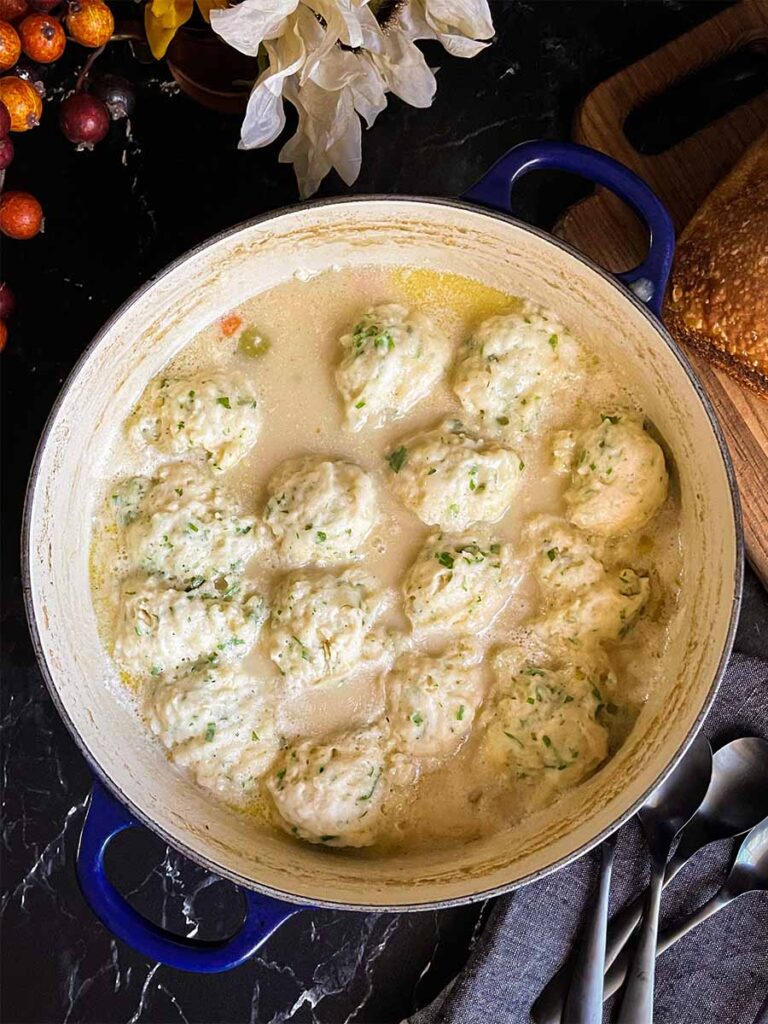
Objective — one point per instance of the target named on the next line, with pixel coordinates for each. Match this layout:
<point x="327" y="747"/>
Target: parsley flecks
<point x="495" y="549"/>
<point x="552" y="341"/>
<point x="255" y="736"/>
<point x="396" y="459"/>
<point x="304" y="651"/>
<point x="224" y="400"/>
<point x="552" y="554"/>
<point x="514" y="739"/>
<point x="210" y="731"/>
<point x="417" y="718"/>
<point x="360" y="404"/>
<point x="503" y="421"/>
<point x="193" y="528"/>
<point x="446" y="559"/>
<point x="369" y="794"/>
<point x="546" y="741"/>
<point x="460" y="713"/>
<point x="320" y="537"/>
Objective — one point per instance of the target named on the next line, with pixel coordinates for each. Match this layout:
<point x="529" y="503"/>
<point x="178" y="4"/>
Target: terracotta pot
<point x="209" y="71"/>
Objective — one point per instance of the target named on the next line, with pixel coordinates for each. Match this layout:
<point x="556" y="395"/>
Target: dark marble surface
<point x="114" y="217"/>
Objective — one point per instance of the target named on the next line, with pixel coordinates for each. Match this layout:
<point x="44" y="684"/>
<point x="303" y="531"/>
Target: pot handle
<point x="106" y="818"/>
<point x="648" y="280"/>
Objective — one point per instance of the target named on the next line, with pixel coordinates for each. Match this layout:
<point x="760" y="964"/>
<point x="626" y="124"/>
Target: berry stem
<point x="86" y="68"/>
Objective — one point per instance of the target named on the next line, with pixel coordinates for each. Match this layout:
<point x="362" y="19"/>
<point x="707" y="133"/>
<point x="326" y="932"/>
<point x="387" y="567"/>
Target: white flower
<point x="335" y="64"/>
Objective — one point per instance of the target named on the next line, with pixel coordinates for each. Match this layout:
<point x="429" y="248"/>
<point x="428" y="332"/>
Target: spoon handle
<point x="720" y="900"/>
<point x="548" y="1007"/>
<point x="637" y="1005"/>
<point x="614" y="979"/>
<point x="584" y="1004"/>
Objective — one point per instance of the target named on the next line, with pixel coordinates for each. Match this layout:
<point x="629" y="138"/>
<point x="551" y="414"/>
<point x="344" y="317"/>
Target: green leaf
<point x="224" y="401"/>
<point x="444" y="558"/>
<point x="396" y="459"/>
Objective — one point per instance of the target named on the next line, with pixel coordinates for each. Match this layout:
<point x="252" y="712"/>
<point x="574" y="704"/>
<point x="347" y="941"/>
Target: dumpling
<point x="432" y="700"/>
<point x="618" y="477"/>
<point x="542" y="723"/>
<point x="182" y="528"/>
<point x="332" y="792"/>
<point x="219" y="723"/>
<point x="392" y="358"/>
<point x="604" y="611"/>
<point x="162" y="630"/>
<point x="564" y="559"/>
<point x="320" y="511"/>
<point x="511" y="366"/>
<point x="320" y="625"/>
<point x="459" y="581"/>
<point x="216" y="415"/>
<point x="582" y="601"/>
<point x="453" y="479"/>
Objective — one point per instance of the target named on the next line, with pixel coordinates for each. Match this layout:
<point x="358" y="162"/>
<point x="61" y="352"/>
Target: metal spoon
<point x="737" y="798"/>
<point x="662" y="816"/>
<point x="748" y="874"/>
<point x="584" y="1004"/>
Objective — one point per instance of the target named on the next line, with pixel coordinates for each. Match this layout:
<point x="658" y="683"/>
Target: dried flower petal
<point x="265" y="114"/>
<point x="246" y="26"/>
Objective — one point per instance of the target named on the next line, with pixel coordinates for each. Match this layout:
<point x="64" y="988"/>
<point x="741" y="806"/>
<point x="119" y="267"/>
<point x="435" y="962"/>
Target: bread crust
<point x="718" y="299"/>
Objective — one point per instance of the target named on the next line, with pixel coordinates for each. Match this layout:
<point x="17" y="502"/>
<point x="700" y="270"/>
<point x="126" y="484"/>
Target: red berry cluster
<point x="38" y="31"/>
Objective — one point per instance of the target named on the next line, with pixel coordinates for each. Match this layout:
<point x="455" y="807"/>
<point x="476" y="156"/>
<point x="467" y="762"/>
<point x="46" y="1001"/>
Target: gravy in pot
<point x="423" y="735"/>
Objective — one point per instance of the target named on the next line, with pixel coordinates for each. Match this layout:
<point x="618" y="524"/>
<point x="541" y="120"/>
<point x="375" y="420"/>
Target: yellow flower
<point x="163" y="18"/>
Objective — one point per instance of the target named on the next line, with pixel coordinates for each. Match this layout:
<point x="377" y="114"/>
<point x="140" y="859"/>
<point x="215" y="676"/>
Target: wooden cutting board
<point x="606" y="229"/>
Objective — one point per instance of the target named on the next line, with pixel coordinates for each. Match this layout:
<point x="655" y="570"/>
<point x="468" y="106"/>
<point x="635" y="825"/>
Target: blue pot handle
<point x="648" y="280"/>
<point x="106" y="818"/>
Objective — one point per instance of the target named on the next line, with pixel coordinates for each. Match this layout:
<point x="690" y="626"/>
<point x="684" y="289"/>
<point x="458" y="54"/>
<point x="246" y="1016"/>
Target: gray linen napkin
<point x="718" y="974"/>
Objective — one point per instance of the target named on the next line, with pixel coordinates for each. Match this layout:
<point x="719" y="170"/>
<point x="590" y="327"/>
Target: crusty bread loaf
<point x="718" y="301"/>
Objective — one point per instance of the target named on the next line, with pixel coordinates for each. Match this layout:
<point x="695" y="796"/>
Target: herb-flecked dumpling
<point x="219" y="723"/>
<point x="162" y="630"/>
<point x="215" y="415"/>
<point x="513" y="366"/>
<point x="452" y="478"/>
<point x="618" y="477"/>
<point x="320" y="511"/>
<point x="433" y="700"/>
<point x="391" y="359"/>
<point x="332" y="792"/>
<point x="459" y="581"/>
<point x="180" y="525"/>
<point x="542" y="722"/>
<point x="320" y="625"/>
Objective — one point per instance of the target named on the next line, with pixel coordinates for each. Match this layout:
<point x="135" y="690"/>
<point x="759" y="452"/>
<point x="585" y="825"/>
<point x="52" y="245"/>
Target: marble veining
<point x="114" y="217"/>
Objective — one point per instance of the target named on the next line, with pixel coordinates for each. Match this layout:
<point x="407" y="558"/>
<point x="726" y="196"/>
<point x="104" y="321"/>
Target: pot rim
<point x="233" y="876"/>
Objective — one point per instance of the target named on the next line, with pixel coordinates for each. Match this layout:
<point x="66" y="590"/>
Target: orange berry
<point x="10" y="10"/>
<point x="3" y="335"/>
<point x="230" y="324"/>
<point x="90" y="22"/>
<point x="21" y="216"/>
<point x="10" y="45"/>
<point x="42" y="38"/>
<point x="23" y="102"/>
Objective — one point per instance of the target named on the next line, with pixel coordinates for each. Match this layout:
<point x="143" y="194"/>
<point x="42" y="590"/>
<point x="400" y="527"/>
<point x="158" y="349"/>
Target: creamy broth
<point x="301" y="414"/>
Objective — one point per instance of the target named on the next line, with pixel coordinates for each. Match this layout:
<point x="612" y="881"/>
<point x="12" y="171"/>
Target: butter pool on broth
<point x="301" y="413"/>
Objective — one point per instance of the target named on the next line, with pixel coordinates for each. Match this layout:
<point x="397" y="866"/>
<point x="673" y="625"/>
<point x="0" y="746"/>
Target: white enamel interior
<point x="163" y="318"/>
